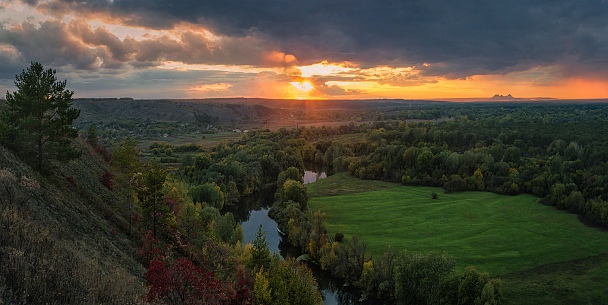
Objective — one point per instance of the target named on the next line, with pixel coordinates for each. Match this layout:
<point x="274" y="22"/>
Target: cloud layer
<point x="440" y="38"/>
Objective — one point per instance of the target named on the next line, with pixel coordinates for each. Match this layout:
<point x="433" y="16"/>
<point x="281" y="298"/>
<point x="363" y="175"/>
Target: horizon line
<point x="458" y="99"/>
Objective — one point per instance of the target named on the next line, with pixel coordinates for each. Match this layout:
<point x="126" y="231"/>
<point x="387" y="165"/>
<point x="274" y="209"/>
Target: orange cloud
<point x="211" y="87"/>
<point x="279" y="59"/>
<point x="325" y="68"/>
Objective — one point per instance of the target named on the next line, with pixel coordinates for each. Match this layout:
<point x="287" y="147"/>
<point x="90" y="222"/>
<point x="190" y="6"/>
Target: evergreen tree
<point x="125" y="159"/>
<point x="36" y="121"/>
<point x="92" y="137"/>
<point x="153" y="204"/>
<point x="260" y="254"/>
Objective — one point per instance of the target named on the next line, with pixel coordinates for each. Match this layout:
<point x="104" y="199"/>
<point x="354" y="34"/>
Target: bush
<point x="104" y="152"/>
<point x="339" y="237"/>
<point x="108" y="180"/>
<point x="434" y="195"/>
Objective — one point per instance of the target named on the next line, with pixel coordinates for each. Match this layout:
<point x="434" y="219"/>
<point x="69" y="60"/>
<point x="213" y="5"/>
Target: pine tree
<point x="92" y="137"/>
<point x="125" y="159"/>
<point x="260" y="254"/>
<point x="154" y="207"/>
<point x="36" y="121"/>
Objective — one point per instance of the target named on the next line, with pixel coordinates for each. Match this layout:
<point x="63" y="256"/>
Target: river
<point x="258" y="215"/>
<point x="253" y="212"/>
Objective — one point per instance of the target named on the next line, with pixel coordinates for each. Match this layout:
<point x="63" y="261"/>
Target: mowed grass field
<point x="534" y="248"/>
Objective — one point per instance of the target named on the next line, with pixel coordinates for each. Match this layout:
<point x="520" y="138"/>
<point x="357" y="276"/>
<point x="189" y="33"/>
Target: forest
<point x="554" y="151"/>
<point x="168" y="204"/>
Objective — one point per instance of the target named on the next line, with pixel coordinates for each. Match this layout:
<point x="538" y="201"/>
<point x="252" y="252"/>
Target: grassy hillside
<point x="544" y="255"/>
<point x="62" y="241"/>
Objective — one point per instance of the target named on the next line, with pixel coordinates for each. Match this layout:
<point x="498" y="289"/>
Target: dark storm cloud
<point x="458" y="38"/>
<point x="157" y="83"/>
<point x="11" y="62"/>
<point x="119" y="50"/>
<point x="80" y="46"/>
<point x="47" y="43"/>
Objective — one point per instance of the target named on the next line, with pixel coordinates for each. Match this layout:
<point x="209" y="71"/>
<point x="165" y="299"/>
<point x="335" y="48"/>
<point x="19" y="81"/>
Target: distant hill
<point x="502" y="97"/>
<point x="226" y="111"/>
<point x="62" y="241"/>
<point x="211" y="111"/>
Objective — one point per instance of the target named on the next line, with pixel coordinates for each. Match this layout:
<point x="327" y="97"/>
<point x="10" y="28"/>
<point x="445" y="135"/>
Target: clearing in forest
<point x="494" y="233"/>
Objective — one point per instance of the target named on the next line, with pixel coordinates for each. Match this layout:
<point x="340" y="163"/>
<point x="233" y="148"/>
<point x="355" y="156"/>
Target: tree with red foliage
<point x="242" y="287"/>
<point x="150" y="249"/>
<point x="158" y="279"/>
<point x="172" y="203"/>
<point x="104" y="152"/>
<point x="183" y="283"/>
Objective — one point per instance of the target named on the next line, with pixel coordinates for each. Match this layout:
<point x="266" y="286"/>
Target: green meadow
<point x="533" y="247"/>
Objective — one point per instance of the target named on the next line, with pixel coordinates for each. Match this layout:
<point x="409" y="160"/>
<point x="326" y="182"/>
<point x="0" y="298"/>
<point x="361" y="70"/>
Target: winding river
<point x="256" y="216"/>
<point x="253" y="212"/>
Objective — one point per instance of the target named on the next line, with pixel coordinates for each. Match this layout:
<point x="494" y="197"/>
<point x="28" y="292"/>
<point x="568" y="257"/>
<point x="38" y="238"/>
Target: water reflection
<point x="257" y="218"/>
<point x="256" y="202"/>
<point x="253" y="211"/>
<point x="310" y="176"/>
<point x="333" y="289"/>
<point x="316" y="170"/>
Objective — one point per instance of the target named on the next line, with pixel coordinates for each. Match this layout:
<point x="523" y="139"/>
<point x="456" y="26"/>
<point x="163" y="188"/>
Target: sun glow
<point x="302" y="90"/>
<point x="304" y="86"/>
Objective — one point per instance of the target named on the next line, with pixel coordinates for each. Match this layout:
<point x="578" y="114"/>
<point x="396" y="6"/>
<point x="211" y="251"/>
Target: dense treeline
<point x="556" y="152"/>
<point x="234" y="170"/>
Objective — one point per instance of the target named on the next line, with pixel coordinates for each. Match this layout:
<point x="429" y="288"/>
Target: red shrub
<point x="182" y="282"/>
<point x="108" y="179"/>
<point x="150" y="249"/>
<point x="104" y="152"/>
<point x="242" y="287"/>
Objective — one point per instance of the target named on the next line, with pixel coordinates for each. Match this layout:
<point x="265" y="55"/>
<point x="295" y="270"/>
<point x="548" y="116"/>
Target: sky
<point x="311" y="49"/>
